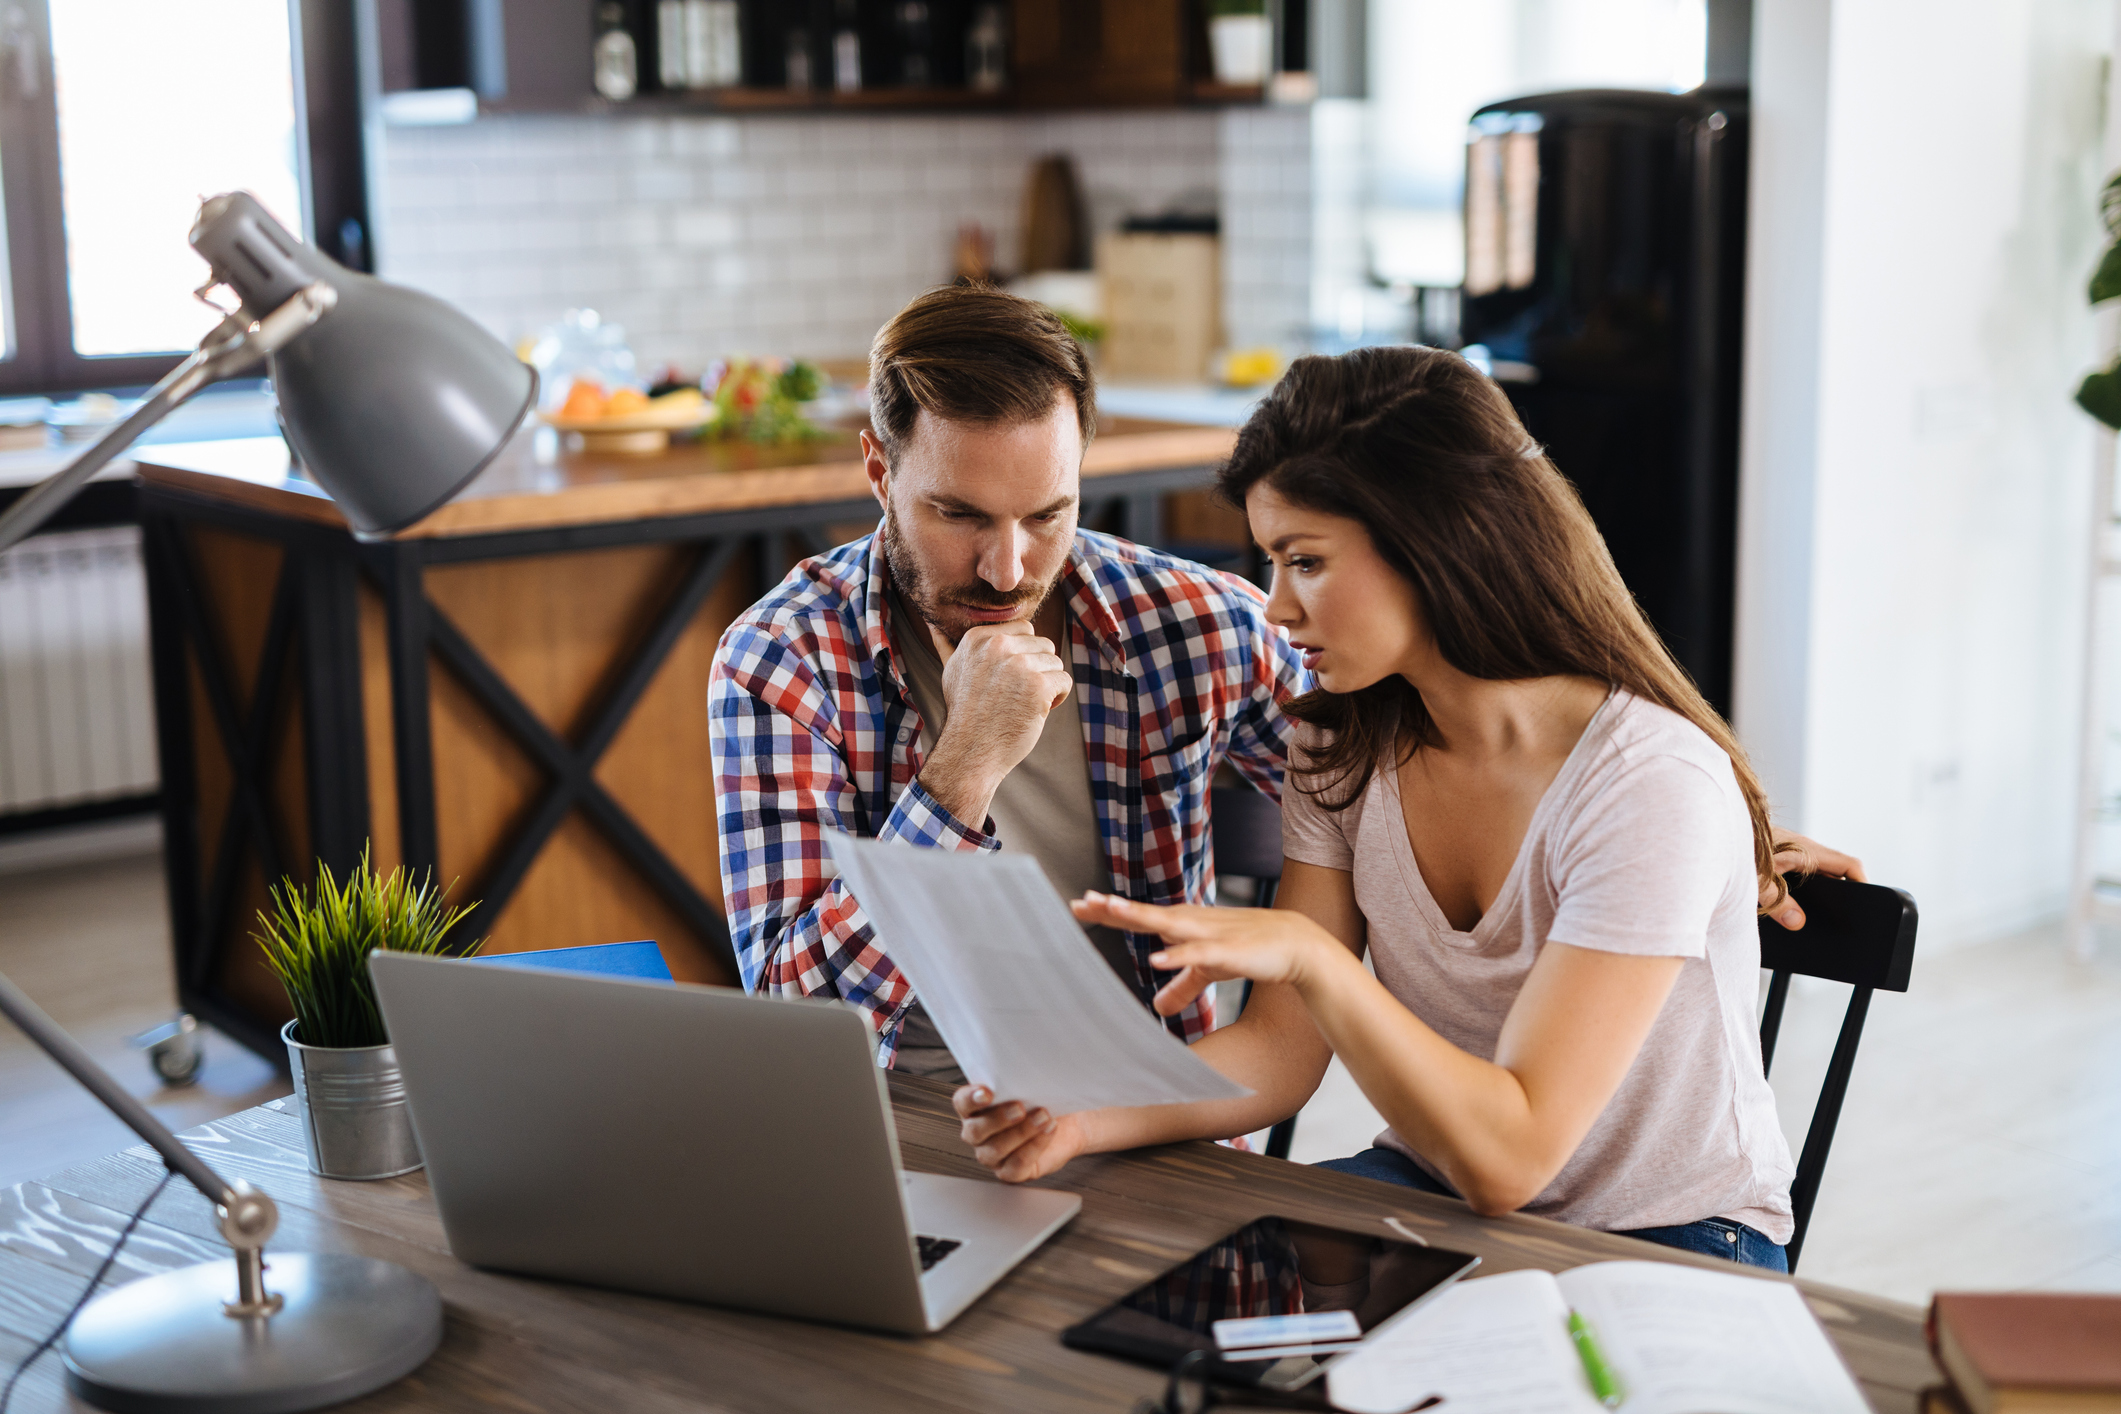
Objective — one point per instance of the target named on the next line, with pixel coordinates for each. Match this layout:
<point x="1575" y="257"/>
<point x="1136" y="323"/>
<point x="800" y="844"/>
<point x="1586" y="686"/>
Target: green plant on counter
<point x="800" y="382"/>
<point x="317" y="942"/>
<point x="1086" y="331"/>
<point x="2100" y="392"/>
<point x="762" y="401"/>
<point x="1218" y="8"/>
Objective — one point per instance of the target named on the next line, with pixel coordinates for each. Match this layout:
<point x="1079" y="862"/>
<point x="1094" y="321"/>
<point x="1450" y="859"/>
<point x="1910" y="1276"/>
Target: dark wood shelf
<point x="1231" y="94"/>
<point x="1146" y="54"/>
<point x="919" y="98"/>
<point x="784" y="100"/>
<point x="1200" y="92"/>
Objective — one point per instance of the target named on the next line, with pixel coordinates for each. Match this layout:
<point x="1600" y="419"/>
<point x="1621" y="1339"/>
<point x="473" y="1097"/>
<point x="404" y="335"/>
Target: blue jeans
<point x="1712" y="1237"/>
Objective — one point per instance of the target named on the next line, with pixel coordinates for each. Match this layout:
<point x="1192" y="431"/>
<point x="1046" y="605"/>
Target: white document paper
<point x="1021" y="996"/>
<point x="1681" y="1339"/>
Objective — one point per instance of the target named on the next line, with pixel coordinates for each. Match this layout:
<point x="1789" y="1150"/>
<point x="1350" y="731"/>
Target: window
<point x="1434" y="61"/>
<point x="1393" y="211"/>
<point x="116" y="118"/>
<point x="159" y="103"/>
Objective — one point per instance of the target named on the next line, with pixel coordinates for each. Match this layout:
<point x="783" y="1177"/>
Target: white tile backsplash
<point x="1264" y="174"/>
<point x="802" y="233"/>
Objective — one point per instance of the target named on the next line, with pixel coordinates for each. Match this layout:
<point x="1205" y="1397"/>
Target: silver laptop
<point x="687" y="1141"/>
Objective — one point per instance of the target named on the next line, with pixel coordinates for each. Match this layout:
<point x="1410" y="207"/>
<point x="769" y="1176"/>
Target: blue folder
<point x="643" y="960"/>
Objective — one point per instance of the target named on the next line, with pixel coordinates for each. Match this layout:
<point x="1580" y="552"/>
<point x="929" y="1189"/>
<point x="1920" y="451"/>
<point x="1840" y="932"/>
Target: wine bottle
<point x="670" y="44"/>
<point x="616" y="70"/>
<point x="846" y="48"/>
<point x="987" y="51"/>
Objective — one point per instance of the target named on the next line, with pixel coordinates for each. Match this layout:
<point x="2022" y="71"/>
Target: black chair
<point x="1862" y="934"/>
<point x="1248" y="846"/>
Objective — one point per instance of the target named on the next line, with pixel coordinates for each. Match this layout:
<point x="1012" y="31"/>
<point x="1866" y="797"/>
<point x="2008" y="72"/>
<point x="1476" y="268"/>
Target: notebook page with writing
<point x="1685" y="1339"/>
<point x="1682" y="1340"/>
<point x="1495" y="1345"/>
<point x="1017" y="989"/>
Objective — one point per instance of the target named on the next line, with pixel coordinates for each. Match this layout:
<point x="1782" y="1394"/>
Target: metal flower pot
<point x="352" y="1104"/>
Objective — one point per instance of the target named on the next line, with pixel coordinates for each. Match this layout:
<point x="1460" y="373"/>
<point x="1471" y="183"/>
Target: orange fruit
<point x="585" y="402"/>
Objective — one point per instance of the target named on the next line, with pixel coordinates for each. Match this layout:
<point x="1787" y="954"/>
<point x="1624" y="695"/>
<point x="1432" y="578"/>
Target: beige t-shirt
<point x="1043" y="808"/>
<point x="1641" y="845"/>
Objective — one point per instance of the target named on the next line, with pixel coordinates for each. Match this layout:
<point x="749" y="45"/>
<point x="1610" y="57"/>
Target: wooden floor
<point x="90" y="944"/>
<point x="1981" y="1146"/>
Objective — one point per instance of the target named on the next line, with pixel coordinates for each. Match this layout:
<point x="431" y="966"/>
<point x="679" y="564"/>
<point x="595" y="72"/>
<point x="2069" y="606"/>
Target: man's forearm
<point x="960" y="782"/>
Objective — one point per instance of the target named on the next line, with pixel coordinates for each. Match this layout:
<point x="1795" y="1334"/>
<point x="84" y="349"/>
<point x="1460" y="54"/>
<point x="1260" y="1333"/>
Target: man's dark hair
<point x="973" y="353"/>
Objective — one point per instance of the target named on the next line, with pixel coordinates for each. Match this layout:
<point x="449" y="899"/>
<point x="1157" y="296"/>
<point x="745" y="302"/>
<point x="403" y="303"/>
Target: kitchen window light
<point x="115" y="115"/>
<point x="159" y="101"/>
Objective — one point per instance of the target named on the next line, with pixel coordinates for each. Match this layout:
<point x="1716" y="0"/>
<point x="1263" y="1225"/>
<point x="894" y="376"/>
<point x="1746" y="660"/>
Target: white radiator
<point x="77" y="713"/>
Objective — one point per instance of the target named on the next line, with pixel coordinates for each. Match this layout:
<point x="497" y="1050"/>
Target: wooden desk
<point x="525" y="1345"/>
<point x="511" y="693"/>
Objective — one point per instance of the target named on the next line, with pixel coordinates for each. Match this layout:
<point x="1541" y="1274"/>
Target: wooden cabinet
<point x="1101" y="53"/>
<point x="521" y="56"/>
<point x="546" y="47"/>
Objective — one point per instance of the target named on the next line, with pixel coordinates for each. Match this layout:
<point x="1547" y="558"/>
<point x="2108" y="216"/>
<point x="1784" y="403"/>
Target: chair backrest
<point x="1247" y="829"/>
<point x="1862" y="934"/>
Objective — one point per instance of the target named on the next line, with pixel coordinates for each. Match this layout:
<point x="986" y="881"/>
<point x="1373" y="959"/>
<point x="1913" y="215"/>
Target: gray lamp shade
<point x="393" y="401"/>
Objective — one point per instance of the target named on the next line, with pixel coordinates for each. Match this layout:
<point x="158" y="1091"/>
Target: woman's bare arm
<point x="1499" y="1130"/>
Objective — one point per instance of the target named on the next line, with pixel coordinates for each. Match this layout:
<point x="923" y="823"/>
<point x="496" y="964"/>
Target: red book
<point x="2030" y="1352"/>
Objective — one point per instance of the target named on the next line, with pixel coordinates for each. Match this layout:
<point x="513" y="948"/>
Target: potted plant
<point x="1242" y="39"/>
<point x="2100" y="392"/>
<point x="348" y="1091"/>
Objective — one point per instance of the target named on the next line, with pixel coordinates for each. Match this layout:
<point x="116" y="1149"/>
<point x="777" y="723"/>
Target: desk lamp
<point x="392" y="402"/>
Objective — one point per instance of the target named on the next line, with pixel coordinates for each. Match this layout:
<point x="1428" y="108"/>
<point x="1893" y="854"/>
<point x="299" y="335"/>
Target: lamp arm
<point x="248" y="1217"/>
<point x="64" y="1049"/>
<point x="232" y="346"/>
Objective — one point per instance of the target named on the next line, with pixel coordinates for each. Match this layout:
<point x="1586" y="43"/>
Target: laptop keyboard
<point x="934" y="1249"/>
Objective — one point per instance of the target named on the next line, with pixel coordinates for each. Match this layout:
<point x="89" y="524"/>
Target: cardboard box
<point x="1163" y="305"/>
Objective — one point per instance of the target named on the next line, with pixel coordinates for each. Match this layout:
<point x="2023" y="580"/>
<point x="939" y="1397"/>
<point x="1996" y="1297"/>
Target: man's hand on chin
<point x="999" y="682"/>
<point x="1794" y="852"/>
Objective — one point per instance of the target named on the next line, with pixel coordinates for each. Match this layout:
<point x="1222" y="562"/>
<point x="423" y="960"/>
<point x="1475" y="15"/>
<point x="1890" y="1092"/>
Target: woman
<point x="1514" y="801"/>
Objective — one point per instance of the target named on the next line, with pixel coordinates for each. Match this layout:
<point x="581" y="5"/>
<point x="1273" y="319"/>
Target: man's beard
<point x="933" y="603"/>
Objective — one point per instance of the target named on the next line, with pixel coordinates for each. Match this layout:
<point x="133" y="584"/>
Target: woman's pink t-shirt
<point x="1641" y="845"/>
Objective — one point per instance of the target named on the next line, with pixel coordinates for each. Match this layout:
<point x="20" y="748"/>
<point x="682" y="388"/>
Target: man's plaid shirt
<point x="1176" y="669"/>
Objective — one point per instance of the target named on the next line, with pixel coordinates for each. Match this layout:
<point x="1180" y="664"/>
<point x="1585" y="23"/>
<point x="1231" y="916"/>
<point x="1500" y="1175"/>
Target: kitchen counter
<point x="533" y="484"/>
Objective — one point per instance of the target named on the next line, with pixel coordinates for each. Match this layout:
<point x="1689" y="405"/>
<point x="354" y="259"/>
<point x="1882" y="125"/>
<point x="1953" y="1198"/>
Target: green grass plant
<point x="317" y="942"/>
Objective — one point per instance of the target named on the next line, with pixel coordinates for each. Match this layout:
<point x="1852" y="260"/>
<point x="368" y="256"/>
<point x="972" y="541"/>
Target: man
<point x="981" y="674"/>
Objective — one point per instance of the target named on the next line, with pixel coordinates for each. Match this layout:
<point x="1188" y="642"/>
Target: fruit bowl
<point x="643" y="430"/>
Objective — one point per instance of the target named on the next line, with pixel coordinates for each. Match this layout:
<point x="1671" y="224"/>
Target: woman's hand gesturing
<point x="1208" y="945"/>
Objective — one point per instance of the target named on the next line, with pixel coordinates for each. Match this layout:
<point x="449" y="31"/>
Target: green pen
<point x="1604" y="1383"/>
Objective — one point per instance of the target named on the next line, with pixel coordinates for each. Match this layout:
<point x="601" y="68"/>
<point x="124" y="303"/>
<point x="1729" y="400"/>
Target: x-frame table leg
<point x="573" y="767"/>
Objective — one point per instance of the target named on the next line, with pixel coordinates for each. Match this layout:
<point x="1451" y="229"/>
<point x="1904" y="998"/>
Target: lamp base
<point x="349" y="1325"/>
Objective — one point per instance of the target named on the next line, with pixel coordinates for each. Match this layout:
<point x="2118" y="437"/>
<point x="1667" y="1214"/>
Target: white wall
<point x="1915" y="477"/>
<point x="801" y="234"/>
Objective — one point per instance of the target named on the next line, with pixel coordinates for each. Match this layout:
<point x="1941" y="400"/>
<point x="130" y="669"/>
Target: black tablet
<point x="1274" y="1301"/>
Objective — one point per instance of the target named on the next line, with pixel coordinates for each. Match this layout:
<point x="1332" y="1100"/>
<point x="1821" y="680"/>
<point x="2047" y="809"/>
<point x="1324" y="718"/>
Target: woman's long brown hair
<point x="1429" y="457"/>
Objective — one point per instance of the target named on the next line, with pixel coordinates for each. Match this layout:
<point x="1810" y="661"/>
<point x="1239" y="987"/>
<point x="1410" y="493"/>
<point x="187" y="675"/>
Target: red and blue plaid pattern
<point x="1176" y="670"/>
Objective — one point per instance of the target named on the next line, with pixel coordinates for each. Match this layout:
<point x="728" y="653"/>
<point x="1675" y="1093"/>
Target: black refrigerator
<point x="1605" y="276"/>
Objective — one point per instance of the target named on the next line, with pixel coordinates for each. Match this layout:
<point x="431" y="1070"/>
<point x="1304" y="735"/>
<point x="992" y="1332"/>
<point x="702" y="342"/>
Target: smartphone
<point x="1275" y="1302"/>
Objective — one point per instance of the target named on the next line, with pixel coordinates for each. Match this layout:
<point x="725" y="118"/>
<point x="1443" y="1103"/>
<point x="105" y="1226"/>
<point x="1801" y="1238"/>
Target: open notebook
<point x="1682" y="1340"/>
